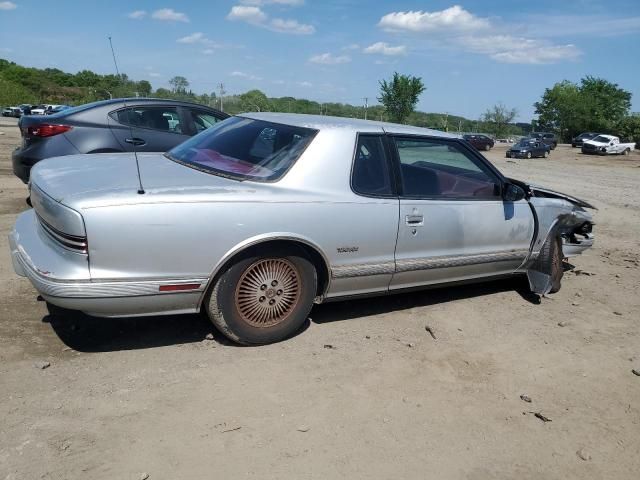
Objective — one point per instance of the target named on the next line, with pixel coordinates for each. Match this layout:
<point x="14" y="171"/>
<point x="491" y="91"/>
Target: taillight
<point x="45" y="130"/>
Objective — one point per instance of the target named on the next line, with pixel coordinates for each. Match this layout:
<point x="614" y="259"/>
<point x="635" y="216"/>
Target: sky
<point x="469" y="54"/>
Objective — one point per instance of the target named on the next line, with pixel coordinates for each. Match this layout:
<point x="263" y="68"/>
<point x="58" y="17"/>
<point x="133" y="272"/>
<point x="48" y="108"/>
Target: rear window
<point x="245" y="149"/>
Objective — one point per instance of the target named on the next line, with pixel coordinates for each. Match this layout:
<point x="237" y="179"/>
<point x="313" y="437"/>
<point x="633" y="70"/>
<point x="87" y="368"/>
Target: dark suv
<point x="481" y="142"/>
<point x="548" y="138"/>
<point x="120" y="125"/>
<point x="580" y="139"/>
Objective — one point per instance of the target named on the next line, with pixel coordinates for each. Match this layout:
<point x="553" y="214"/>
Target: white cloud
<point x="305" y="84"/>
<point x="255" y="16"/>
<point x="290" y="26"/>
<point x="353" y="46"/>
<point x="196" y="37"/>
<point x="155" y="74"/>
<point x="510" y="49"/>
<point x="208" y="51"/>
<point x="291" y="3"/>
<point x="452" y="18"/>
<point x="457" y="28"/>
<point x="384" y="48"/>
<point x="248" y="76"/>
<point x="329" y="59"/>
<point x="6" y="50"/>
<point x="137" y="14"/>
<point x="279" y="82"/>
<point x="169" y="14"/>
<point x="8" y="6"/>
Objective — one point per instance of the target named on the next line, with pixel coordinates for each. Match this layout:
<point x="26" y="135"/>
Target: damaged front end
<point x="558" y="217"/>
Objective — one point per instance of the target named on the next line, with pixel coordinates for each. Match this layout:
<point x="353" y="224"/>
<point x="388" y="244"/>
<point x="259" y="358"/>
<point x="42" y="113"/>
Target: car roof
<point x="325" y="122"/>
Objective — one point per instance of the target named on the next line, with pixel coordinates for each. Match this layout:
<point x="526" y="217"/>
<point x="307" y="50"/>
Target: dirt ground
<point x="364" y="391"/>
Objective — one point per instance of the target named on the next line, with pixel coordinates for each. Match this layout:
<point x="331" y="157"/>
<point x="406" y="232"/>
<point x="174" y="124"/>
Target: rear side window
<point x="165" y="119"/>
<point x="203" y="120"/>
<point x="370" y="175"/>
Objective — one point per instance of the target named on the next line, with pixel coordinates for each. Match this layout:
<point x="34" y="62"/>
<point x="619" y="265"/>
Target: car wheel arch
<point x="277" y="242"/>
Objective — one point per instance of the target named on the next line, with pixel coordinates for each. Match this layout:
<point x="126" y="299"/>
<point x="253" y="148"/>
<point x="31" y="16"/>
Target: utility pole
<point x="446" y="121"/>
<point x="366" y="105"/>
<point x="222" y="92"/>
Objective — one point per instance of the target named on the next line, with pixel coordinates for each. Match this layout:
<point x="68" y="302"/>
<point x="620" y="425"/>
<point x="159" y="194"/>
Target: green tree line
<point x="19" y="84"/>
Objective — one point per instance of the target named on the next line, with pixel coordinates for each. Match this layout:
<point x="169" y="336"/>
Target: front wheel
<point x="529" y="155"/>
<point x="263" y="299"/>
<point x="487" y="147"/>
<point x="546" y="154"/>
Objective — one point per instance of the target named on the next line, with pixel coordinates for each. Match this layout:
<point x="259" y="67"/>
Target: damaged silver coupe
<point x="262" y="215"/>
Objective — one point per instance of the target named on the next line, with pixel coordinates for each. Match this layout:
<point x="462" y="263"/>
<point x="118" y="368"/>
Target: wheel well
<point x="262" y="248"/>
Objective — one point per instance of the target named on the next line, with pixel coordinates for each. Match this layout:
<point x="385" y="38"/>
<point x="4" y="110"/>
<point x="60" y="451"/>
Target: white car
<point x="607" y="145"/>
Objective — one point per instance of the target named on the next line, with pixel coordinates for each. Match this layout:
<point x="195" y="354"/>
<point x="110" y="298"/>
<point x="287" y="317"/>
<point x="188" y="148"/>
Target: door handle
<point x="135" y="141"/>
<point x="414" y="220"/>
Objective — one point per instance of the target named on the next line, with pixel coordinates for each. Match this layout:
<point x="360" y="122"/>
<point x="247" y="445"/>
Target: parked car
<point x="121" y="125"/>
<point x="529" y="148"/>
<point x="577" y="141"/>
<point x="481" y="142"/>
<point x="38" y="110"/>
<point x="264" y="214"/>
<point x="56" y="109"/>
<point x="607" y="145"/>
<point x="548" y="138"/>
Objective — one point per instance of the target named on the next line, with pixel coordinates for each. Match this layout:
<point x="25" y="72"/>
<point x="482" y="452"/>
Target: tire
<point x="487" y="147"/>
<point x="546" y="154"/>
<point x="247" y="306"/>
<point x="529" y="155"/>
<point x="627" y="152"/>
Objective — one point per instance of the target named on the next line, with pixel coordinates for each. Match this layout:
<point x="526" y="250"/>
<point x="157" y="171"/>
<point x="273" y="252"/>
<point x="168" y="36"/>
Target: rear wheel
<point x="546" y="154"/>
<point x="487" y="147"/>
<point x="627" y="152"/>
<point x="263" y="299"/>
<point x="529" y="155"/>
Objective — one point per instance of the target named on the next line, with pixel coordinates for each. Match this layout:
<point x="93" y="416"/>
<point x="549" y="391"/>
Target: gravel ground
<point x="167" y="397"/>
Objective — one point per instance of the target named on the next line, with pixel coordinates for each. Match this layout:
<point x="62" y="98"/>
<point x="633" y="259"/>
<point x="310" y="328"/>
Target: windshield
<point x="525" y="142"/>
<point x="602" y="139"/>
<point x="245" y="149"/>
<point x="586" y="135"/>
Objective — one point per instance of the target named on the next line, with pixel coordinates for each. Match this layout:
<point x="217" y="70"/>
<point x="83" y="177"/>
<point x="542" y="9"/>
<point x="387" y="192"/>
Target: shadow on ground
<point x="90" y="334"/>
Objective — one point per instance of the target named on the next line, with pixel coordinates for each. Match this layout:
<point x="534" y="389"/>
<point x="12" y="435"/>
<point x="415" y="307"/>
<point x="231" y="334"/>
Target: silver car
<point x="262" y="215"/>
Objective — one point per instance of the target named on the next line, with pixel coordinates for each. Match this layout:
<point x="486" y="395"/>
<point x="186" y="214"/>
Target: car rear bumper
<point x="63" y="278"/>
<point x="21" y="165"/>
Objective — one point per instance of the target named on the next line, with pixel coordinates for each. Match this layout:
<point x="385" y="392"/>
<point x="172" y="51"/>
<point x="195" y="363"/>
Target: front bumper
<point x="511" y="154"/>
<point x="571" y="248"/>
<point x="63" y="278"/>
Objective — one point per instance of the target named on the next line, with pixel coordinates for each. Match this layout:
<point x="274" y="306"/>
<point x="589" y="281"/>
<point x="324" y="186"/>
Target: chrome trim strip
<point x="448" y="261"/>
<point x="103" y="289"/>
<point x="363" y="270"/>
<point x="415" y="264"/>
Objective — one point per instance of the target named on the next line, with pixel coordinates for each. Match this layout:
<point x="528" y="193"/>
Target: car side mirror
<point x="512" y="193"/>
<point x="611" y="144"/>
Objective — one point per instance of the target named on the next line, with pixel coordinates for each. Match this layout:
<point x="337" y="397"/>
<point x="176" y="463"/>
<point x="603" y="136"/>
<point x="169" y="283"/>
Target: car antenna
<point x="135" y="154"/>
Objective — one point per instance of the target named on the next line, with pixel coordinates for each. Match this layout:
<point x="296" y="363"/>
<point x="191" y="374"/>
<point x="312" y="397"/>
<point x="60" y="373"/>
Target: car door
<point x="454" y="224"/>
<point x="148" y="128"/>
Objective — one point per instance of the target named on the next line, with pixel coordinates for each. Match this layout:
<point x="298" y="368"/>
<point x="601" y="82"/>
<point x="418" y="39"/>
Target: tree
<point x="400" y="95"/>
<point x="606" y="103"/>
<point x="255" y="100"/>
<point x="593" y="105"/>
<point x="179" y="84"/>
<point x="629" y="129"/>
<point x="498" y="118"/>
<point x="562" y="110"/>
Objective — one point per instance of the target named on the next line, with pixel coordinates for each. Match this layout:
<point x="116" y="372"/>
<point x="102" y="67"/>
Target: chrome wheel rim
<point x="268" y="292"/>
